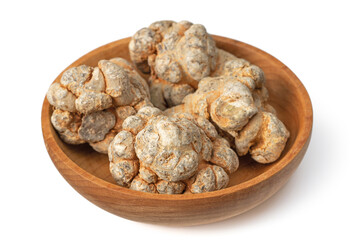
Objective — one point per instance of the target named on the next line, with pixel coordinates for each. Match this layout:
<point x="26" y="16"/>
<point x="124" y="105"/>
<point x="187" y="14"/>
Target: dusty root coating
<point x="92" y="102"/>
<point x="178" y="56"/>
<point x="168" y="154"/>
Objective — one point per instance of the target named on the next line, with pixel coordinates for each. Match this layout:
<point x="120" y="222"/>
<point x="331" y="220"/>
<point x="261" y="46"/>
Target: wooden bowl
<point x="87" y="171"/>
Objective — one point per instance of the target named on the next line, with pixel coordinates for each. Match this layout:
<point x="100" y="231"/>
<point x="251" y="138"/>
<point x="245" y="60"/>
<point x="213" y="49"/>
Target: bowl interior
<point x="284" y="97"/>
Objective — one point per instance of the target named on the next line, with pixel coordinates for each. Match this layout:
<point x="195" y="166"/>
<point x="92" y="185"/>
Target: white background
<point x="318" y="41"/>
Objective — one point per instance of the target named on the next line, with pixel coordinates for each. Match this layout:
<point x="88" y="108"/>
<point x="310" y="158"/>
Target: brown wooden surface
<point x="87" y="171"/>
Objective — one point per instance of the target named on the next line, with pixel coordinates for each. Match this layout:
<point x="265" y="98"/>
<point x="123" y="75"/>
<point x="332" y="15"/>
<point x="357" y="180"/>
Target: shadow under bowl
<point x="88" y="171"/>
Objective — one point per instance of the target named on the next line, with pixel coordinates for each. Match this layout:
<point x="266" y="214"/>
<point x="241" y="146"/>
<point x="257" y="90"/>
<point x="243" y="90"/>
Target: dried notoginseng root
<point x="209" y="179"/>
<point x="229" y="65"/>
<point x="103" y="145"/>
<point x="264" y="138"/>
<point x="96" y="125"/>
<point x="160" y="154"/>
<point x="176" y="51"/>
<point x="86" y="89"/>
<point x="265" y="135"/>
<point x="143" y="43"/>
<point x="141" y="185"/>
<point x="178" y="55"/>
<point x="248" y="74"/>
<point x="99" y="98"/>
<point x="216" y="149"/>
<point x="165" y="187"/>
<point x="181" y="54"/>
<point x="124" y="165"/>
<point x="166" y="147"/>
<point x="228" y="103"/>
<point x="248" y="120"/>
<point x="61" y="98"/>
<point x="67" y="124"/>
<point x="164" y="94"/>
<point x="98" y="128"/>
<point x="123" y="83"/>
<point x="86" y="85"/>
<point x="213" y="170"/>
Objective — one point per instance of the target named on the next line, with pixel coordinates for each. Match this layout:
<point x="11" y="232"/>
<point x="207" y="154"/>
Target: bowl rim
<point x="303" y="135"/>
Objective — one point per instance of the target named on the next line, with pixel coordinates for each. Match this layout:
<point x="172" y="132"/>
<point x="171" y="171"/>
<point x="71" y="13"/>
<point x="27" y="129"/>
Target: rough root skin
<point x="264" y="138"/>
<point x="228" y="102"/>
<point x="169" y="151"/>
<point x="241" y="114"/>
<point x="236" y="100"/>
<point x="178" y="56"/>
<point x="67" y="125"/>
<point x="124" y="165"/>
<point x="209" y="179"/>
<point x="96" y="125"/>
<point x="112" y="88"/>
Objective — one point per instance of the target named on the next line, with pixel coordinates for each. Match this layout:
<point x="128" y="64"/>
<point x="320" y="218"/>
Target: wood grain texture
<point x="88" y="171"/>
